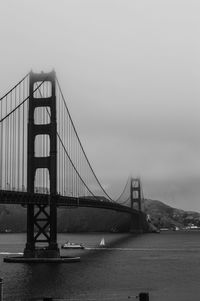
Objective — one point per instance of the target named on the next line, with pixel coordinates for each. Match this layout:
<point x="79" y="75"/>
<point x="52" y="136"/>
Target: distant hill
<point x="13" y="217"/>
<point x="164" y="216"/>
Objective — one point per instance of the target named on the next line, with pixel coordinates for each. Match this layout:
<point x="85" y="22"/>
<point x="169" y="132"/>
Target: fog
<point x="130" y="71"/>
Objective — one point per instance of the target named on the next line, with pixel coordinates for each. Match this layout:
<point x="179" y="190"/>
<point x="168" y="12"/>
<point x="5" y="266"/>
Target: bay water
<point x="166" y="265"/>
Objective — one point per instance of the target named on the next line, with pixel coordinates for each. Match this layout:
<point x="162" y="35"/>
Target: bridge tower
<point x="42" y="219"/>
<point x="135" y="195"/>
<point x="135" y="192"/>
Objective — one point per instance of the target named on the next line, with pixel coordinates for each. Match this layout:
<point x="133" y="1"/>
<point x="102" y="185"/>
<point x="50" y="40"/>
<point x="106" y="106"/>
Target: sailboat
<point x="102" y="242"/>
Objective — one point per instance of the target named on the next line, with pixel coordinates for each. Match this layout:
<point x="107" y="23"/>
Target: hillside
<point x="13" y="217"/>
<point x="164" y="216"/>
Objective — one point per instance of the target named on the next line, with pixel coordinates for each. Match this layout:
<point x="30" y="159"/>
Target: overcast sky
<point x="130" y="71"/>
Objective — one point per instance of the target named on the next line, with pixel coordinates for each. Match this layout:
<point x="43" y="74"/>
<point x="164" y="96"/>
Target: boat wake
<point x="11" y="253"/>
<point x="141" y="249"/>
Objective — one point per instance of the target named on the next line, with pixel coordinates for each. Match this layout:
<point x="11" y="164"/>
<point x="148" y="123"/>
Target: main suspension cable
<point x="123" y="189"/>
<point x="15" y="86"/>
<point x="65" y="150"/>
<point x="81" y="143"/>
<point x="19" y="105"/>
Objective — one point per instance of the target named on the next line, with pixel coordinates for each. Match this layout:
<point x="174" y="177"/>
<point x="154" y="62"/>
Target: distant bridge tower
<point x="136" y="196"/>
<point x="42" y="219"/>
<point x="135" y="192"/>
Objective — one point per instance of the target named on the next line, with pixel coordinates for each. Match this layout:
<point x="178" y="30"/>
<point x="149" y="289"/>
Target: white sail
<point x="102" y="242"/>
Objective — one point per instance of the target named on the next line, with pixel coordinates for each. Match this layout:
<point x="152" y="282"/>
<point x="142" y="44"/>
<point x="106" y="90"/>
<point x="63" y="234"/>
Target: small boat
<point x="72" y="245"/>
<point x="102" y="242"/>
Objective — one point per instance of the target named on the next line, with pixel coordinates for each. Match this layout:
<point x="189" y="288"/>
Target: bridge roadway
<point x="24" y="198"/>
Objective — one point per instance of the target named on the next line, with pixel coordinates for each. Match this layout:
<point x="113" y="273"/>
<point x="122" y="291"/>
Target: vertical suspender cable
<point x="6" y="151"/>
<point x="18" y="140"/>
<point x="23" y="125"/>
<point x="1" y="145"/>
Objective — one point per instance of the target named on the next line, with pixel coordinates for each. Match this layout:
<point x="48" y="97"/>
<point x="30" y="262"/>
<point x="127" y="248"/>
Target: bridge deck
<point x="24" y="198"/>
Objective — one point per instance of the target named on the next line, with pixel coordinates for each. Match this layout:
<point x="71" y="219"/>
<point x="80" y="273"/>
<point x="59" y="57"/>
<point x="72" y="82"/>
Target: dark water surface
<point x="166" y="265"/>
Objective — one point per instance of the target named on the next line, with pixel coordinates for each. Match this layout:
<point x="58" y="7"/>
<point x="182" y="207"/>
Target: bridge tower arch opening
<point x="42" y="219"/>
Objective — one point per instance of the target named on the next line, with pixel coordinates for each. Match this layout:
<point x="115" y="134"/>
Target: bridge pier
<point x="34" y="213"/>
<point x="136" y="223"/>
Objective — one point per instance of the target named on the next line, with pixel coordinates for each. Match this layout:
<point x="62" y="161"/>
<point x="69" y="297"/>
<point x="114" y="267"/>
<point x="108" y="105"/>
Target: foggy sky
<point x="130" y="71"/>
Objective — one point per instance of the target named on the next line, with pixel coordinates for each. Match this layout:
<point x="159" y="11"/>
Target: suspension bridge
<point x="43" y="164"/>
